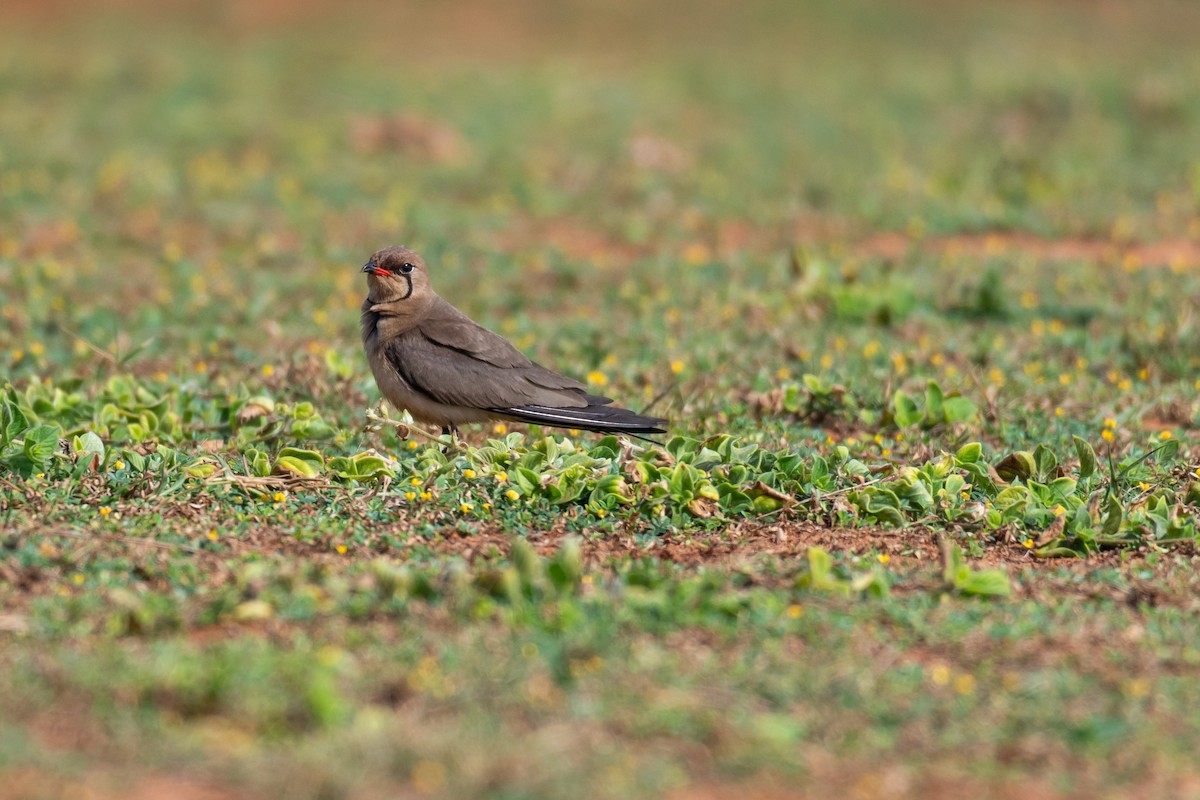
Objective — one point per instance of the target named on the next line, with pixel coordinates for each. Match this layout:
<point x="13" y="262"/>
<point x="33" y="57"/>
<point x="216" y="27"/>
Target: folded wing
<point x="459" y="363"/>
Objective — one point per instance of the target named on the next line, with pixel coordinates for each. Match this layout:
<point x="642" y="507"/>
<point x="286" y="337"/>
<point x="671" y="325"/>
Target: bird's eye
<point x="406" y="268"/>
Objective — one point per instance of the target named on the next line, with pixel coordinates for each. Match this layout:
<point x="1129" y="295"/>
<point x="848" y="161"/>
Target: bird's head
<point x="396" y="275"/>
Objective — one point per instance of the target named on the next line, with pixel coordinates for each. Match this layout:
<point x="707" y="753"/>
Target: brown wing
<point x="448" y="326"/>
<point x="454" y="375"/>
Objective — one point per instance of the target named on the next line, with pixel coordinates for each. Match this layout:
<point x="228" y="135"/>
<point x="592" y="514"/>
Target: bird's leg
<point x="451" y="430"/>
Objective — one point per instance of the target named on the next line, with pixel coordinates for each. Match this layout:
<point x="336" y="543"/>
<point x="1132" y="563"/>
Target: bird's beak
<point x="371" y="268"/>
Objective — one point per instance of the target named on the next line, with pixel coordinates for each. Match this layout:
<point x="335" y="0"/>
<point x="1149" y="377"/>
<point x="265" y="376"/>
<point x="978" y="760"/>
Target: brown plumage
<point x="431" y="359"/>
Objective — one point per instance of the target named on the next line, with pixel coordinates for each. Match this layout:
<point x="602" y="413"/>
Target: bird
<point x="434" y="361"/>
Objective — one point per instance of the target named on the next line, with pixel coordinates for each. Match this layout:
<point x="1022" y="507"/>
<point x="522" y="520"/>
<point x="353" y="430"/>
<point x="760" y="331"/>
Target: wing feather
<point x="454" y="377"/>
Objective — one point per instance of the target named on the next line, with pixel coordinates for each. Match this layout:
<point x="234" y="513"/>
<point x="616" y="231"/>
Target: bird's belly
<point x="422" y="407"/>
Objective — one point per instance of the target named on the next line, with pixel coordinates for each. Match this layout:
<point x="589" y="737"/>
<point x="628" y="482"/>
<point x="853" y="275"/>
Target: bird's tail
<point x="597" y="417"/>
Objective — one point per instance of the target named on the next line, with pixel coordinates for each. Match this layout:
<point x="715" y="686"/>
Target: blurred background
<point x="173" y="176"/>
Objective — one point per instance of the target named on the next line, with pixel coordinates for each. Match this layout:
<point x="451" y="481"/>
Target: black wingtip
<point x="596" y="418"/>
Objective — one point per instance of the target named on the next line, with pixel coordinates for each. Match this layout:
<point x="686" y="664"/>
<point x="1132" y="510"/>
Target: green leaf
<point x="820" y="573"/>
<point x="1087" y="457"/>
<point x="361" y="467"/>
<point x="935" y="411"/>
<point x="814" y="384"/>
<point x="1167" y="451"/>
<point x="1113" y="516"/>
<point x="1016" y="466"/>
<point x="969" y="453"/>
<point x="959" y="409"/>
<point x="304" y="463"/>
<point x="40" y="443"/>
<point x="904" y="409"/>
<point x="985" y="583"/>
<point x="201" y="468"/>
<point x="259" y="463"/>
<point x="88" y="448"/>
<point x="14" y="421"/>
<point x="959" y="575"/>
<point x="791" y="398"/>
<point x="1046" y="464"/>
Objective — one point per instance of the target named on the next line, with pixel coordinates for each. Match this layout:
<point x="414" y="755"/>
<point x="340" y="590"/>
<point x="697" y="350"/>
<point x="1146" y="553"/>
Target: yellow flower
<point x="426" y="495"/>
<point x="410" y="496"/>
<point x="415" y="481"/>
<point x="105" y="511"/>
<point x="696" y="253"/>
<point x="1106" y="435"/>
<point x="939" y="674"/>
<point x="598" y="378"/>
<point x="677" y="366"/>
<point x="1028" y="543"/>
<point x="77" y="579"/>
<point x="212" y="534"/>
<point x="601" y="513"/>
<point x="500" y="428"/>
<point x="1109" y="422"/>
<point x="466" y="508"/>
<point x="1164" y="435"/>
<point x="794" y="611"/>
<point x="884" y="558"/>
<point x="268" y="370"/>
<point x="468" y="473"/>
<point x="118" y="464"/>
<point x="412" y="445"/>
<point x="964" y="684"/>
<point x="279" y="497"/>
<point x="511" y="494"/>
<point x="341" y="548"/>
<point x="201" y="366"/>
<point x="501" y="477"/>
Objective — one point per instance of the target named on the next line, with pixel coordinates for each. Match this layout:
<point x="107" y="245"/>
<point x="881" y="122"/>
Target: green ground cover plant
<point x="915" y="284"/>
